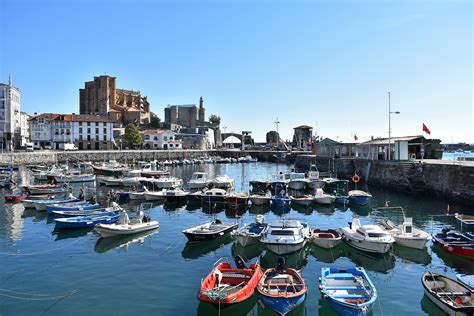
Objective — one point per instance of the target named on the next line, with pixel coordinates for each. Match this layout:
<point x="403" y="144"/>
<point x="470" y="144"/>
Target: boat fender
<point x="355" y="178"/>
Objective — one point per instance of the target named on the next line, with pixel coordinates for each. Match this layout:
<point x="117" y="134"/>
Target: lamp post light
<point x="390" y="126"/>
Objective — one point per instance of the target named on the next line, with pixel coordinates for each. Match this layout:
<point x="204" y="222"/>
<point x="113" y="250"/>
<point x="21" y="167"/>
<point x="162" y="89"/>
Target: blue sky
<point x="328" y="64"/>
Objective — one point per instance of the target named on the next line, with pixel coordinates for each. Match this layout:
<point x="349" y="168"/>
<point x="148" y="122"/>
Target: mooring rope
<point x="35" y="296"/>
<point x="171" y="247"/>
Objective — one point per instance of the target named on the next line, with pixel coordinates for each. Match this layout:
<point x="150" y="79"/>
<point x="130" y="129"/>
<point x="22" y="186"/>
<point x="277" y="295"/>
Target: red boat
<point x="465" y="250"/>
<point x="455" y="243"/>
<point x="227" y="285"/>
<point x="15" y="198"/>
<point x="237" y="198"/>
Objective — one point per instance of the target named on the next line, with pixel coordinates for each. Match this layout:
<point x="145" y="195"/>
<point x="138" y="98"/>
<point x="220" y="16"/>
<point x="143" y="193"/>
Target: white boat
<point x="327" y="239"/>
<point x="74" y="178"/>
<point x="223" y="182"/>
<point x="199" y="180"/>
<point x="251" y="233"/>
<point x="359" y="197"/>
<point x="112" y="182"/>
<point x="304" y="200"/>
<point x="213" y="195"/>
<point x="298" y="181"/>
<point x="138" y="194"/>
<point x="405" y="234"/>
<point x="260" y="198"/>
<point x="125" y="226"/>
<point x="175" y="194"/>
<point x="370" y="238"/>
<point x="163" y="182"/>
<point x="285" y="236"/>
<point x="313" y="180"/>
<point x="101" y="180"/>
<point x="154" y="195"/>
<point x="132" y="181"/>
<point x="323" y="198"/>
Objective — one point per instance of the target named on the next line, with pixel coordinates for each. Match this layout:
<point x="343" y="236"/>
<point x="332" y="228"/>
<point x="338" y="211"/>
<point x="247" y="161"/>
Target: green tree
<point x="155" y="121"/>
<point x="215" y="120"/>
<point x="132" y="136"/>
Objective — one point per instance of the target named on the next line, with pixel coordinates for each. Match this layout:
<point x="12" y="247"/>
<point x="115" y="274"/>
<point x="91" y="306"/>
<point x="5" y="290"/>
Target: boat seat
<point x="340" y="276"/>
<point x="349" y="296"/>
<point x="236" y="275"/>
<point x="343" y="287"/>
<point x="452" y="293"/>
<point x="435" y="284"/>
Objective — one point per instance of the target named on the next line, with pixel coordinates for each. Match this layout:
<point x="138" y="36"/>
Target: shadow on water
<point x="459" y="263"/>
<point x="370" y="261"/>
<point x="238" y="309"/>
<point x="259" y="209"/>
<point x="430" y="308"/>
<point x="105" y="244"/>
<point x="38" y="216"/>
<point x="71" y="233"/>
<point x="174" y="206"/>
<point x="326" y="309"/>
<point x="199" y="249"/>
<point x="280" y="210"/>
<point x="235" y="211"/>
<point x="302" y="209"/>
<point x="324" y="209"/>
<point x="213" y="208"/>
<point x="420" y="256"/>
<point x="248" y="253"/>
<point x="360" y="210"/>
<point x="193" y="205"/>
<point x="295" y="260"/>
<point x="326" y="255"/>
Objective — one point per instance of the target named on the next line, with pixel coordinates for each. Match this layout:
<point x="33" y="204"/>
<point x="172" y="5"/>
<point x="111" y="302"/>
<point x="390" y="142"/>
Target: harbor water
<point x="45" y="272"/>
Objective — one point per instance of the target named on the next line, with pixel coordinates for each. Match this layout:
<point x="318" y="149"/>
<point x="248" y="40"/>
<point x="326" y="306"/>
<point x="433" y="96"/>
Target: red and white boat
<point x="45" y="188"/>
<point x="228" y="285"/>
<point x="15" y="197"/>
<point x="237" y="198"/>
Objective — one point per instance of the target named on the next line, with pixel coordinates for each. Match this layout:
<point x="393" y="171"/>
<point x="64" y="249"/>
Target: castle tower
<point x="201" y="111"/>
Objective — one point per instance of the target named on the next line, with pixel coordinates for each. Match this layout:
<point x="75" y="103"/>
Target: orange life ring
<point x="355" y="178"/>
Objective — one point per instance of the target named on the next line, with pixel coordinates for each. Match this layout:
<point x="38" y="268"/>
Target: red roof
<point x="157" y="131"/>
<point x="73" y="117"/>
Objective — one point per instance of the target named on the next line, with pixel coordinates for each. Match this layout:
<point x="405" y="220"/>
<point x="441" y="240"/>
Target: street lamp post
<point x="390" y="126"/>
<point x="278" y="135"/>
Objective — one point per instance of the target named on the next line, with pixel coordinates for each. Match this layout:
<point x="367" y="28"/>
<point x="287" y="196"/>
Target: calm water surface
<point x="77" y="273"/>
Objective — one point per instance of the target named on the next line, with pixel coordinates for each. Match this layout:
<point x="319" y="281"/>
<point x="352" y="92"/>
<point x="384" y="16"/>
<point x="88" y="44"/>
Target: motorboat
<point x="325" y="238"/>
<point x="126" y="226"/>
<point x="237" y="198"/>
<point x="348" y="291"/>
<point x="260" y="186"/>
<point x="320" y="197"/>
<point x="168" y="182"/>
<point x="297" y="181"/>
<point x="305" y="200"/>
<point x="281" y="290"/>
<point x="137" y="194"/>
<point x="359" y="197"/>
<point x="332" y="185"/>
<point x="314" y="182"/>
<point x="154" y="195"/>
<point x="251" y="233"/>
<point x="453" y="297"/>
<point x="214" y="195"/>
<point x="223" y="182"/>
<point x="199" y="180"/>
<point x="208" y="231"/>
<point x="230" y="285"/>
<point x="91" y="212"/>
<point x="285" y="236"/>
<point x="247" y="159"/>
<point x="405" y="234"/>
<point x="370" y="238"/>
<point x="42" y="205"/>
<point x="260" y="198"/>
<point x="13" y="198"/>
<point x="73" y="178"/>
<point x="175" y="195"/>
<point x="278" y="184"/>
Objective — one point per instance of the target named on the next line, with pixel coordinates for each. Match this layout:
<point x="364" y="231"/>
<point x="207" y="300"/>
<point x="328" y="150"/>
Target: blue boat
<point x="467" y="279"/>
<point x="281" y="290"/>
<point x="280" y="201"/>
<point x="359" y="197"/>
<point x="74" y="206"/>
<point x="93" y="212"/>
<point x="349" y="292"/>
<point x="86" y="221"/>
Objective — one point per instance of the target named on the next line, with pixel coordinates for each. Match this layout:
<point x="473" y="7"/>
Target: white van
<point x="70" y="146"/>
<point x="29" y="147"/>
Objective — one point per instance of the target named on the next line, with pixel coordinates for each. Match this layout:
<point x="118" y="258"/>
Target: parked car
<point x="29" y="147"/>
<point x="70" y="146"/>
<point x="48" y="147"/>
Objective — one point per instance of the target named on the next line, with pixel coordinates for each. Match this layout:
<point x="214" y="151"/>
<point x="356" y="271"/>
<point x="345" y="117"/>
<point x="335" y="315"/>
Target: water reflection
<point x="235" y="211"/>
<point x="420" y="256"/>
<point x="459" y="263"/>
<point x="325" y="309"/>
<point x="259" y="209"/>
<point x="295" y="260"/>
<point x="280" y="210"/>
<point x="199" y="249"/>
<point x="242" y="308"/>
<point x="374" y="262"/>
<point x="430" y="308"/>
<point x="326" y="255"/>
<point x="71" y="233"/>
<point x="298" y="311"/>
<point x="213" y="208"/>
<point x="106" y="244"/>
<point x="248" y="253"/>
<point x="324" y="209"/>
<point x="302" y="209"/>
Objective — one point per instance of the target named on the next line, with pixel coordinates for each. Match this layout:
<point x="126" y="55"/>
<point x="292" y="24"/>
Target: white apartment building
<point x="160" y="139"/>
<point x="92" y="132"/>
<point x="24" y="129"/>
<point x="9" y="116"/>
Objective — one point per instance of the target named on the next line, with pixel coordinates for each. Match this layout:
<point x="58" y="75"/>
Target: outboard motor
<point x="281" y="264"/>
<point x="445" y="230"/>
<point x="239" y="262"/>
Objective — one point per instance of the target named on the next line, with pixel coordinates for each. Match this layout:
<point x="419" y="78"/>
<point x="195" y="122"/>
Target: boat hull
<point x="416" y="243"/>
<point x="281" y="249"/>
<point x="70" y="223"/>
<point x="282" y="305"/>
<point x="196" y="237"/>
<point x="349" y="310"/>
<point x="297" y="185"/>
<point x="368" y="246"/>
<point x="111" y="230"/>
<point x="360" y="200"/>
<point x="258" y="200"/>
<point x="325" y="200"/>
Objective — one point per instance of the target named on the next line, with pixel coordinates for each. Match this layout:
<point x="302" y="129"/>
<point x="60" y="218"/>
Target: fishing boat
<point x="314" y="182"/>
<point x="167" y="182"/>
<point x="199" y="180"/>
<point x="349" y="291"/>
<point x="450" y="295"/>
<point x="15" y="197"/>
<point x="251" y="233"/>
<point x="455" y="243"/>
<point x="208" y="231"/>
<point x="297" y="181"/>
<point x="71" y="178"/>
<point x="112" y="168"/>
<point x="195" y="196"/>
<point x="45" y="189"/>
<point x="175" y="195"/>
<point x="467" y="280"/>
<point x="405" y="234"/>
<point x="92" y="212"/>
<point x="332" y="185"/>
<point x="223" y="182"/>
<point x="280" y="200"/>
<point x="73" y="206"/>
<point x="228" y="285"/>
<point x="259" y="186"/>
<point x="323" y="198"/>
<point x="325" y="238"/>
<point x="86" y="221"/>
<point x="42" y="205"/>
<point x="279" y="183"/>
<point x="237" y="198"/>
<point x="6" y="177"/>
<point x="284" y="236"/>
<point x="467" y="221"/>
<point x="154" y="195"/>
<point x="126" y="226"/>
<point x="370" y="238"/>
<point x="260" y="198"/>
<point x="111" y="181"/>
<point x="214" y="195"/>
<point x="305" y="200"/>
<point x="359" y="197"/>
<point x="281" y="290"/>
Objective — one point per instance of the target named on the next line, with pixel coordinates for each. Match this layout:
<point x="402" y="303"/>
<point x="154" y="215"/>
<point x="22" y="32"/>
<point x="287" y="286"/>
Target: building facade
<point x="160" y="139"/>
<point x="303" y="137"/>
<point x="52" y="131"/>
<point x="10" y="129"/>
<point x="187" y="115"/>
<point x="102" y="97"/>
<point x="328" y="147"/>
<point x="24" y="129"/>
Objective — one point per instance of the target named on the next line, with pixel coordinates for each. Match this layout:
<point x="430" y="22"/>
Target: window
<point x="88" y="131"/>
<point x="155" y="138"/>
<point x="96" y="123"/>
<point x="97" y="131"/>
<point x="88" y="123"/>
<point x="146" y="137"/>
<point x="68" y="131"/>
<point x="56" y="131"/>
<point x="97" y="137"/>
<point x="89" y="138"/>
<point x="80" y="130"/>
<point x="80" y="123"/>
<point x="105" y="131"/>
<point x="105" y="138"/>
<point x="165" y="138"/>
<point x="80" y="137"/>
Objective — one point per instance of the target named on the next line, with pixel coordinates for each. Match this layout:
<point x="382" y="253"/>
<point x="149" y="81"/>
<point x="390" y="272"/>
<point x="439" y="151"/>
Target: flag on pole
<point x="426" y="129"/>
<point x="355" y="137"/>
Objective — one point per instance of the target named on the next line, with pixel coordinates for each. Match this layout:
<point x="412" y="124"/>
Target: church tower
<point x="201" y="111"/>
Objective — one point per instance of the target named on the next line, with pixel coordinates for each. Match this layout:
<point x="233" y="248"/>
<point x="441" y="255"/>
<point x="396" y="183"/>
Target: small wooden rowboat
<point x="15" y="197"/>
<point x="327" y="239"/>
<point x="228" y="285"/>
<point x="467" y="221"/>
<point x="450" y="295"/>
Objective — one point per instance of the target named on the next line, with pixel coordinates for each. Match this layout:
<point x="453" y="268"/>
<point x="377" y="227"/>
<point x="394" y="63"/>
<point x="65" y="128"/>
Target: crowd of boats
<point x="349" y="291"/>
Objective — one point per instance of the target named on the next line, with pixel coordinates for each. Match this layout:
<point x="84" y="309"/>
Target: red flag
<point x="355" y="137"/>
<point x="426" y="129"/>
